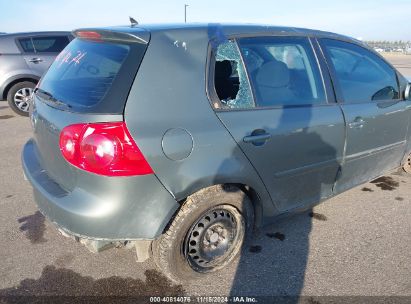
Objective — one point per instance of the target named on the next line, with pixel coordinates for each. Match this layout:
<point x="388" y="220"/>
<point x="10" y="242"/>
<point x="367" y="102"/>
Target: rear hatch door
<point x="89" y="81"/>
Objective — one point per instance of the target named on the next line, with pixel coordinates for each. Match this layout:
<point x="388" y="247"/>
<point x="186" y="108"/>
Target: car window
<point x="361" y="74"/>
<point x="83" y="72"/>
<point x="27" y="45"/>
<point x="230" y="78"/>
<point x="50" y="44"/>
<point x="283" y="71"/>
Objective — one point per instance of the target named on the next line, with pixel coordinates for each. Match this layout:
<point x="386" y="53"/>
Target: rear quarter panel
<point x="169" y="93"/>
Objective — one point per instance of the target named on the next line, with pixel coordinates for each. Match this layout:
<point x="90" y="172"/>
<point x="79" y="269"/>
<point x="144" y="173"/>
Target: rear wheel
<point x="407" y="165"/>
<point x="19" y="97"/>
<point x="206" y="235"/>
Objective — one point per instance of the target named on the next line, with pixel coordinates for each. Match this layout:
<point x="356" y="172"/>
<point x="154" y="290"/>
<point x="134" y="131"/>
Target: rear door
<point x="281" y="116"/>
<point x="40" y="51"/>
<point x="376" y="117"/>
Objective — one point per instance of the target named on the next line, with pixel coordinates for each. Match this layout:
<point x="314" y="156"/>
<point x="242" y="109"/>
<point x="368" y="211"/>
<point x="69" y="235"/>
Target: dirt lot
<point x="356" y="244"/>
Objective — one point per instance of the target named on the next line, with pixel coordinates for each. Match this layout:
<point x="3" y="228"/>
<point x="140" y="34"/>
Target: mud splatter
<point x="318" y="216"/>
<point x="66" y="286"/>
<point x="399" y="198"/>
<point x="33" y="227"/>
<point x="386" y="183"/>
<point x="276" y="235"/>
<point x="365" y="189"/>
<point x="255" y="249"/>
<point x="6" y="116"/>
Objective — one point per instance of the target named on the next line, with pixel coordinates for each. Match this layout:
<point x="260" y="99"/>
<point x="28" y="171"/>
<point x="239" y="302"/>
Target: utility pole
<point x="185" y="13"/>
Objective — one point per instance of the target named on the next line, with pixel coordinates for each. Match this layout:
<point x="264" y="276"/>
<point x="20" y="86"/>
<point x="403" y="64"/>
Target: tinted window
<point x="283" y="71"/>
<point x="83" y="72"/>
<point x="26" y="45"/>
<point x="361" y="74"/>
<point x="50" y="44"/>
<point x="230" y="78"/>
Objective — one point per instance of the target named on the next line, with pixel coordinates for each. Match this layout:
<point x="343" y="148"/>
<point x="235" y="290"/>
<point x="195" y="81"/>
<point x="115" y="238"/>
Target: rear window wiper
<point x="49" y="97"/>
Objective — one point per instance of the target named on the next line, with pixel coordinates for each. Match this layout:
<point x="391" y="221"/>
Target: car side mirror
<point x="407" y="93"/>
<point x="386" y="93"/>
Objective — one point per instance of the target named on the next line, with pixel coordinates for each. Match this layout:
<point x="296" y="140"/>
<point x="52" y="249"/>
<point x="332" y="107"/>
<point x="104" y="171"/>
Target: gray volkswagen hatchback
<point x="178" y="140"/>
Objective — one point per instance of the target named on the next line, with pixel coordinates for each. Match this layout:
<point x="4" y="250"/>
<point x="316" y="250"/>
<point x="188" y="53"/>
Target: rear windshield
<point x="87" y="73"/>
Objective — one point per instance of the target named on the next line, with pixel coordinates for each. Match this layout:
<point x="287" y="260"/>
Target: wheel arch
<point x="250" y="192"/>
<point x="14" y="80"/>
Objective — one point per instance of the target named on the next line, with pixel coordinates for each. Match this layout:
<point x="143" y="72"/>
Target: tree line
<point x="384" y="44"/>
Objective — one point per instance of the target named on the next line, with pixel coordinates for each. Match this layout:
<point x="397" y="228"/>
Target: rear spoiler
<point x="134" y="35"/>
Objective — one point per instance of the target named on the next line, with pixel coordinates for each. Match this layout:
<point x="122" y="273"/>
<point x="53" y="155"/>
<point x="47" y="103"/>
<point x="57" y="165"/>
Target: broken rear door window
<point x="230" y="78"/>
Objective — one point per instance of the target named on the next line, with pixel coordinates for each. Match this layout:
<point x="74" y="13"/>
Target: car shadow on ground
<point x="274" y="263"/>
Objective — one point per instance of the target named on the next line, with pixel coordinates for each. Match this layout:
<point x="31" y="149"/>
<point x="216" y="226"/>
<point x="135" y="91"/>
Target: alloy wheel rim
<point x="22" y="99"/>
<point x="213" y="238"/>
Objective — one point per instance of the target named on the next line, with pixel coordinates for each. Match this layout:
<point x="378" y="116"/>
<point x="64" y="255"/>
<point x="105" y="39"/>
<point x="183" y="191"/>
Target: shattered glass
<point x="244" y="97"/>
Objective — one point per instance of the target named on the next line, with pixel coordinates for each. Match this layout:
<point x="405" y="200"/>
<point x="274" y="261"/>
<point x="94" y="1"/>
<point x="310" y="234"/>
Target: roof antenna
<point x="133" y="21"/>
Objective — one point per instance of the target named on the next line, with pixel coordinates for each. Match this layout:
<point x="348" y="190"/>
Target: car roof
<point x="231" y="29"/>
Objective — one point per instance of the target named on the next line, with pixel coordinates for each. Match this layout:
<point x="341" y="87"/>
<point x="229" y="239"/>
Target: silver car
<point x="24" y="57"/>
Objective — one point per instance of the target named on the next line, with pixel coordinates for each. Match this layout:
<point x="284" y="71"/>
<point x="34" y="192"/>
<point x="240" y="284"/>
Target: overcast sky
<point x="367" y="19"/>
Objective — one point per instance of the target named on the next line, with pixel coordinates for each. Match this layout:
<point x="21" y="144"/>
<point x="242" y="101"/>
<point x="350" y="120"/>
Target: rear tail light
<point x="89" y="35"/>
<point x="103" y="148"/>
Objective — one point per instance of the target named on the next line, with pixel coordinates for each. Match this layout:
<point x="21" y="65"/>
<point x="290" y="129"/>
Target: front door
<point x="376" y="117"/>
<point x="283" y="122"/>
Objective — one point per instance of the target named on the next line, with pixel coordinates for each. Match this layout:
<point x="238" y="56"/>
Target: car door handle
<point x="35" y="60"/>
<point x="358" y="123"/>
<point x="253" y="138"/>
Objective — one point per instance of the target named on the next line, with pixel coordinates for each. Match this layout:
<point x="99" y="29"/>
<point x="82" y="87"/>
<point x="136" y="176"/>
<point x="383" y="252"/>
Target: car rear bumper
<point x="100" y="207"/>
